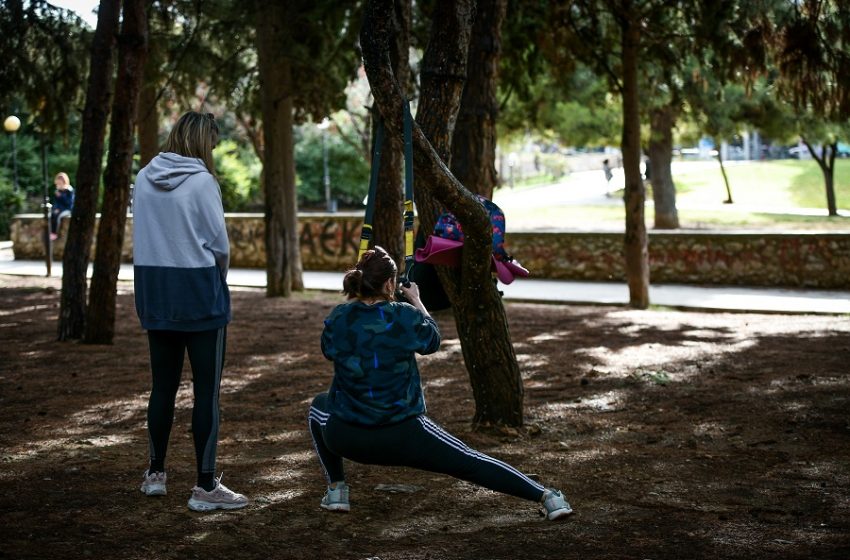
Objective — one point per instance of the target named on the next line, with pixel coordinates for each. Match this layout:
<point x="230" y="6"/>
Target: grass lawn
<point x="789" y="183"/>
<point x="766" y="195"/>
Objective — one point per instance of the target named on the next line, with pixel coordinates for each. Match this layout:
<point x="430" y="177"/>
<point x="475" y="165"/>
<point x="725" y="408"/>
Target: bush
<point x="238" y="169"/>
<point x="10" y="204"/>
<point x="349" y="172"/>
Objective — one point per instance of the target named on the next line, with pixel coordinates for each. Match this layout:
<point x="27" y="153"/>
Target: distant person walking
<point x="181" y="256"/>
<point x="606" y="168"/>
<point x="374" y="412"/>
<point x="63" y="203"/>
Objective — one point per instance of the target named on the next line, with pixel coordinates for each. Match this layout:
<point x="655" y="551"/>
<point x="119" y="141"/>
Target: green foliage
<point x="577" y="110"/>
<point x="349" y="172"/>
<point x="45" y="60"/>
<point x="238" y="170"/>
<point x="10" y="203"/>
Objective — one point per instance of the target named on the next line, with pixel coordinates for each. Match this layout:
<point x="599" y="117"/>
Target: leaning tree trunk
<point x="388" y="229"/>
<point x="474" y="143"/>
<point x="725" y="178"/>
<point x="132" y="46"/>
<point x="283" y="256"/>
<point x="662" y="120"/>
<point x="637" y="253"/>
<point x="75" y="261"/>
<point x="826" y="162"/>
<point x="479" y="313"/>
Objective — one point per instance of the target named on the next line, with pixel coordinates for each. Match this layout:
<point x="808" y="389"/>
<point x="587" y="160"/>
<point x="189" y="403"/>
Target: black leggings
<point x="206" y="354"/>
<point x="417" y="442"/>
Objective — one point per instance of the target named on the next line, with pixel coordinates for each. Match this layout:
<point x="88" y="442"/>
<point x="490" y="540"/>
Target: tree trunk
<point x="636" y="250"/>
<point x="283" y="257"/>
<point x="826" y="162"/>
<point x="388" y="229"/>
<point x="474" y="144"/>
<point x="660" y="156"/>
<point x="148" y="123"/>
<point x="132" y="46"/>
<point x="479" y="313"/>
<point x="725" y="179"/>
<point x="75" y="261"/>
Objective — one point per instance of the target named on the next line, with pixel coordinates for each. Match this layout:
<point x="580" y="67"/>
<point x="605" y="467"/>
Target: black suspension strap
<point x="366" y="231"/>
<point x="408" y="192"/>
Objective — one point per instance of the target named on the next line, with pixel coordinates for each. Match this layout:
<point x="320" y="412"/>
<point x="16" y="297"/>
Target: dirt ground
<point x="674" y="435"/>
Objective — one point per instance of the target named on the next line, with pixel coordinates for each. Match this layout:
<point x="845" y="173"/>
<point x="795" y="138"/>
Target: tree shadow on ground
<point x="674" y="434"/>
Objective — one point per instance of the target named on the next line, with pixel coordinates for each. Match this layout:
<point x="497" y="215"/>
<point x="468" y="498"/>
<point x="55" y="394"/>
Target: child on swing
<point x="374" y="412"/>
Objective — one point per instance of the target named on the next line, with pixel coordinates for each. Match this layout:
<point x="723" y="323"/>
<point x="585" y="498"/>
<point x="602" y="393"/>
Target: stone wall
<point x="329" y="242"/>
<point x="798" y="259"/>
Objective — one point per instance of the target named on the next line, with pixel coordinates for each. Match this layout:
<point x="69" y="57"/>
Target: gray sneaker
<point x="336" y="499"/>
<point x="220" y="497"/>
<point x="555" y="506"/>
<point x="154" y="484"/>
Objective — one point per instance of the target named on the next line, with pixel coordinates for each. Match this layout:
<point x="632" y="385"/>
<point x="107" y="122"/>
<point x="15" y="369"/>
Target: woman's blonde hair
<point x="194" y="135"/>
<point x="64" y="177"/>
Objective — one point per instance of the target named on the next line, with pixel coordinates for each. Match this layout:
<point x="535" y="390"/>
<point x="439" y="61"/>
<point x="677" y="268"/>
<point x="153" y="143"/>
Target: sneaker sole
<point x="206" y="506"/>
<point x="559" y="514"/>
<point x="340" y="508"/>
<point x="154" y="491"/>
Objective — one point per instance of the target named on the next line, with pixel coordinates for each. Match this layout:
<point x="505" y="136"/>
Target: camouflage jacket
<point x="373" y="348"/>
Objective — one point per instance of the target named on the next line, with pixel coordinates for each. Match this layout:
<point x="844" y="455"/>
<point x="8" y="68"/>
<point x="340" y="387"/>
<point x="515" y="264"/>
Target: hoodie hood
<point x="168" y="170"/>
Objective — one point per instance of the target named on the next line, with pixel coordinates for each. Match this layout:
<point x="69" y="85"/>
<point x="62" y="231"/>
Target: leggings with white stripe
<point x="206" y="355"/>
<point x="417" y="442"/>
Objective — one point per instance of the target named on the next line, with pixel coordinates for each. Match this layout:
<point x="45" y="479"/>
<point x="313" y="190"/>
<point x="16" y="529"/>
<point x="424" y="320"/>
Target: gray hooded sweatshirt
<point x="180" y="248"/>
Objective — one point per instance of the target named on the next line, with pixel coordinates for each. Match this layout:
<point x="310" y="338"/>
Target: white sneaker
<point x="555" y="506"/>
<point x="336" y="499"/>
<point x="154" y="484"/>
<point x="220" y="497"/>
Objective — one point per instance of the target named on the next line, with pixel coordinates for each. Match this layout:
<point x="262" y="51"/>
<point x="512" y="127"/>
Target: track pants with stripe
<point x="206" y="355"/>
<point x="417" y="442"/>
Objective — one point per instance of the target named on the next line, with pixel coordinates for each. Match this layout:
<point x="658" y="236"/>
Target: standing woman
<point x="180" y="257"/>
<point x="374" y="412"/>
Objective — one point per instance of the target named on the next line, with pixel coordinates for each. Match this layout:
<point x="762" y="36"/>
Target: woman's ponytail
<point x="368" y="278"/>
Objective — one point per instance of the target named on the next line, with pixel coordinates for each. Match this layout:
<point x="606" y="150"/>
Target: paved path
<point x="771" y="300"/>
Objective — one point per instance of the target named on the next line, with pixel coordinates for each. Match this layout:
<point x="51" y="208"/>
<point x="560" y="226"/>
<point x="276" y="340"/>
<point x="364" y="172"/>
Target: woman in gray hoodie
<point x="180" y="260"/>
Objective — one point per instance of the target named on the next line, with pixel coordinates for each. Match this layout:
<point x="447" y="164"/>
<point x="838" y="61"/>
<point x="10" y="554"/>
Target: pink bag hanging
<point x="441" y="250"/>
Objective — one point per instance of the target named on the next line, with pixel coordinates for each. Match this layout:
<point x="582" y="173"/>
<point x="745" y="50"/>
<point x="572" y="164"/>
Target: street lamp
<point x="11" y="125"/>
<point x="330" y="205"/>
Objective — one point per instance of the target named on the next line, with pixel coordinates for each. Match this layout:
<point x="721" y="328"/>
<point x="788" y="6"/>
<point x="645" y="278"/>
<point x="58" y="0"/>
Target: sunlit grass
<point x="765" y="195"/>
<point x="774" y="183"/>
<point x="613" y="218"/>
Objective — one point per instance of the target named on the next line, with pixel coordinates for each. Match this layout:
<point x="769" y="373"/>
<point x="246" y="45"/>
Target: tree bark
<point x="636" y="244"/>
<point x="725" y="179"/>
<point x="148" y="121"/>
<point x="662" y="120"/>
<point x="826" y="162"/>
<point x="132" y="46"/>
<point x="388" y="229"/>
<point x="75" y="261"/>
<point x="283" y="256"/>
<point x="474" y="144"/>
<point x="479" y="313"/>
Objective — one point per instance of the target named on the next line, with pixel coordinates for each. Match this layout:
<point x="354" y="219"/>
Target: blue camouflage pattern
<point x="373" y="347"/>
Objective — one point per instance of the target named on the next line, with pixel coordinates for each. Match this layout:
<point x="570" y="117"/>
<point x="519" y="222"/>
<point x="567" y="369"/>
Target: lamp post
<point x="48" y="241"/>
<point x="330" y="205"/>
<point x="11" y="125"/>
